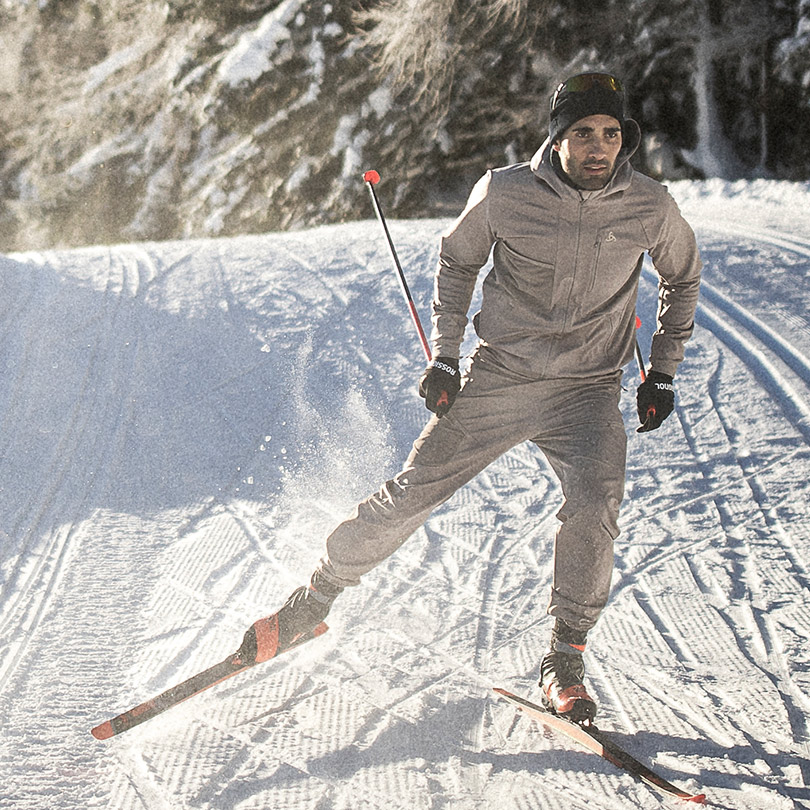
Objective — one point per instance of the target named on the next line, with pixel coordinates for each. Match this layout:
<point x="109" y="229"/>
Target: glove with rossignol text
<point x="655" y="400"/>
<point x="439" y="384"/>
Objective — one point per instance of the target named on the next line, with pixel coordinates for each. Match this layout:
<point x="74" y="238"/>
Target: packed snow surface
<point x="183" y="423"/>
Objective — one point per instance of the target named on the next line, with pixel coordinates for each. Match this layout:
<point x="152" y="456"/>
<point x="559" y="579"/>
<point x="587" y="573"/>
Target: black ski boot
<point x="297" y="621"/>
<point x="562" y="671"/>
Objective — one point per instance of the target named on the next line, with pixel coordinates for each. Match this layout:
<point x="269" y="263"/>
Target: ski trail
<point x="757" y="549"/>
<point x="23" y="615"/>
<point x="45" y="543"/>
<point x="746" y="609"/>
<point x="770" y="236"/>
<point x="219" y="406"/>
<point x="763" y="351"/>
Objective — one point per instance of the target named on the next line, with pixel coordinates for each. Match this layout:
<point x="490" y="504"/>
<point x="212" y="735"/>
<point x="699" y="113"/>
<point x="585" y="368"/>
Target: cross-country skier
<point x="567" y="232"/>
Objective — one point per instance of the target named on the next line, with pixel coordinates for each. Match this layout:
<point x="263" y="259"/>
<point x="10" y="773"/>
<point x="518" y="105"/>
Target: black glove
<point x="655" y="400"/>
<point x="439" y="384"/>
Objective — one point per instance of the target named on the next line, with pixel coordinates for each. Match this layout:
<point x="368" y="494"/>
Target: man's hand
<point x="655" y="400"/>
<point x="439" y="385"/>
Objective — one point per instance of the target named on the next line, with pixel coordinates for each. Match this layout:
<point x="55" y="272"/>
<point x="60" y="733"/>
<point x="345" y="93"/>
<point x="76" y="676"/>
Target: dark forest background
<point x="126" y="120"/>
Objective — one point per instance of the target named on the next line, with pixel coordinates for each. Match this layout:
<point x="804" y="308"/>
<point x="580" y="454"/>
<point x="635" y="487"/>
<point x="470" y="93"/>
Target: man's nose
<point x="598" y="147"/>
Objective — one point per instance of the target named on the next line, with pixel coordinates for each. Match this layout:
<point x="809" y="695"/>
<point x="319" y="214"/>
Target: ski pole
<point x="371" y="179"/>
<point x="643" y="374"/>
<point x="639" y="358"/>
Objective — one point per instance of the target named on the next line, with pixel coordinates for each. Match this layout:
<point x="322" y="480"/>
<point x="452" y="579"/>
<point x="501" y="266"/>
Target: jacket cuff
<point x="439" y="350"/>
<point x="664" y="368"/>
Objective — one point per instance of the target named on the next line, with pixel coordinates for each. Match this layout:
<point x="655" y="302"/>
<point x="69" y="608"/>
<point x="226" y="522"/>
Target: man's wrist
<point x="656" y="377"/>
<point x="447" y="364"/>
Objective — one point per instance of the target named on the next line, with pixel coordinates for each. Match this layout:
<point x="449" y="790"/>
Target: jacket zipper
<point x="597" y="245"/>
<point x="567" y="313"/>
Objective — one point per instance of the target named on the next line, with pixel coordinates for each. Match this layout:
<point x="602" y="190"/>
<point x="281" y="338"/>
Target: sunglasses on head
<point x="585" y="82"/>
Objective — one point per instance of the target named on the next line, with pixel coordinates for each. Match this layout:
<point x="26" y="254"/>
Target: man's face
<point x="588" y="150"/>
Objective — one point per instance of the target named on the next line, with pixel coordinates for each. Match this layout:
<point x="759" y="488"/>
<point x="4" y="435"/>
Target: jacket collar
<point x="543" y="167"/>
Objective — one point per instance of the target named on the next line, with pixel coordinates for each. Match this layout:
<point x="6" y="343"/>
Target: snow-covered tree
<point x="790" y="93"/>
<point x="700" y="72"/>
<point x="157" y="119"/>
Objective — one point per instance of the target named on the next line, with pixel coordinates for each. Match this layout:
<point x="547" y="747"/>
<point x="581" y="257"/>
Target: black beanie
<point x="566" y="107"/>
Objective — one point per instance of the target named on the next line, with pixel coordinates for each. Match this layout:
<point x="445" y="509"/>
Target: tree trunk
<point x="714" y="155"/>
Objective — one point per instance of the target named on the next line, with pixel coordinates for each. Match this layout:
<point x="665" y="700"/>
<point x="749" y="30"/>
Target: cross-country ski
<point x="600" y="743"/>
<point x="234" y="664"/>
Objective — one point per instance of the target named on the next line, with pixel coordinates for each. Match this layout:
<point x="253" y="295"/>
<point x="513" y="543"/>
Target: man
<point x="567" y="232"/>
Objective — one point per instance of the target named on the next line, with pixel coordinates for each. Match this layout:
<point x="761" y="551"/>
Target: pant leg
<point x="483" y="423"/>
<point x="587" y="450"/>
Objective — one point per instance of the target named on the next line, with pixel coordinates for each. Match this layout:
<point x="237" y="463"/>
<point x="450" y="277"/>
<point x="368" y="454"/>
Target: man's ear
<point x="555" y="146"/>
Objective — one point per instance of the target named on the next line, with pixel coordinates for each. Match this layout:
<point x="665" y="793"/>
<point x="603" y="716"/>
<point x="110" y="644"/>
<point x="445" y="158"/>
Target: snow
<point x="99" y="73"/>
<point x="299" y="175"/>
<point x="125" y="143"/>
<point x="182" y="423"/>
<point x="351" y="145"/>
<point x="381" y="101"/>
<point x="253" y="53"/>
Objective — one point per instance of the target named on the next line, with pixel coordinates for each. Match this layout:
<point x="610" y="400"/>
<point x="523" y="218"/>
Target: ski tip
<point x="103" y="732"/>
<point x="700" y="798"/>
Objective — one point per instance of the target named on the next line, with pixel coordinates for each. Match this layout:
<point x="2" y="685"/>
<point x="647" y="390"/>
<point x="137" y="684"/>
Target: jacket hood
<point x="543" y="162"/>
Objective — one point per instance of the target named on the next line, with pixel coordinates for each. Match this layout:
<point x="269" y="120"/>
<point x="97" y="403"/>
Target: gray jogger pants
<point x="578" y="426"/>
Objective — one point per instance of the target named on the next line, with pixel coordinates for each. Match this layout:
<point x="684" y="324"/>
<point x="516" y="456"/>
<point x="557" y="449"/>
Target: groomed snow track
<point x="182" y="423"/>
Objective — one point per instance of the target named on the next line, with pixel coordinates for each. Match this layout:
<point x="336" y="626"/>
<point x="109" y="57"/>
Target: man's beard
<point x="592" y="181"/>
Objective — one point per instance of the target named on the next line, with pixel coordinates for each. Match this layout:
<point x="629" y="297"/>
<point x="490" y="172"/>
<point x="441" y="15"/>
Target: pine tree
<point x="701" y="72"/>
<point x="789" y="94"/>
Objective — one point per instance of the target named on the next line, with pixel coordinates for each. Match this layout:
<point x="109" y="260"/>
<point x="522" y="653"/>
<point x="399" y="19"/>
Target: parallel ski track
<point x="760" y="347"/>
<point x="784" y="373"/>
<point x="47" y="545"/>
<point x="789" y="241"/>
<point x="783" y="370"/>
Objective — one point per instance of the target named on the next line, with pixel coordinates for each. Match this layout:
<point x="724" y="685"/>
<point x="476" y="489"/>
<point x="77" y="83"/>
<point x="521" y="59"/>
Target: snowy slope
<point x="181" y="425"/>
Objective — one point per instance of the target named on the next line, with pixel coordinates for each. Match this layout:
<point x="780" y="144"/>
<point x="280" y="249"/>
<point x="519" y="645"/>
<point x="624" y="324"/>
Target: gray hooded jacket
<point x="560" y="298"/>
